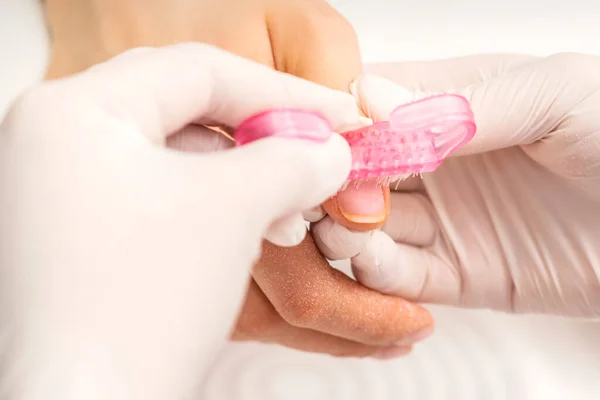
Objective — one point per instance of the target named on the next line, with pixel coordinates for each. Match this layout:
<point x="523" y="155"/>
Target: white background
<point x="473" y="355"/>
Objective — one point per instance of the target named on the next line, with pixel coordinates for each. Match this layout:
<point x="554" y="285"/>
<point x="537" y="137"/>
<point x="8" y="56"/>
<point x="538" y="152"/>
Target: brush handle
<point x="416" y="139"/>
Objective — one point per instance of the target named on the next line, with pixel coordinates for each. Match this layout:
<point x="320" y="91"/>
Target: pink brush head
<point x="416" y="139"/>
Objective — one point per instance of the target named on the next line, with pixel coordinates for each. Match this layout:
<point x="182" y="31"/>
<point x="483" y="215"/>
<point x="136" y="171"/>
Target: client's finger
<point x="260" y="321"/>
<point x="362" y="206"/>
<point x="326" y="52"/>
<point x="308" y="293"/>
<point x="161" y="91"/>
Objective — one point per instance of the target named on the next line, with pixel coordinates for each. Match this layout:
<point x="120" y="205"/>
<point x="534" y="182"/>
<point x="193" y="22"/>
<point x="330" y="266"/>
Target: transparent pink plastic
<point x="284" y="122"/>
<point x="416" y="139"/>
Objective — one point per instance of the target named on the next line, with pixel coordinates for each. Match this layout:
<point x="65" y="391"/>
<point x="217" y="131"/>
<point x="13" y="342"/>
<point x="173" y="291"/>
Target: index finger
<point x="448" y="74"/>
<point x="308" y="293"/>
<point x="162" y="90"/>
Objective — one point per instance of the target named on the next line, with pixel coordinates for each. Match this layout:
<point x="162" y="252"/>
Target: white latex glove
<point x="123" y="263"/>
<point x="513" y="221"/>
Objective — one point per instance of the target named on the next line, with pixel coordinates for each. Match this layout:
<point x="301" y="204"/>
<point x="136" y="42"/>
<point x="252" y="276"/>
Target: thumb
<point x="282" y="177"/>
<point x="501" y="108"/>
<point x="527" y="103"/>
<point x="401" y="259"/>
<point x="519" y="103"/>
<point x="403" y="270"/>
<point x="386" y="86"/>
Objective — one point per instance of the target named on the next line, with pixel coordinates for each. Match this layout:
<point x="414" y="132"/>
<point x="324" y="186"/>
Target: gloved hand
<point x="295" y="298"/>
<point x="511" y="222"/>
<point x="124" y="264"/>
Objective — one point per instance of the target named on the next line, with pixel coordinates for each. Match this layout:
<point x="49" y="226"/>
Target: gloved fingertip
<point x="283" y="176"/>
<point x="369" y="267"/>
<point x="287" y="232"/>
<point x="378" y="97"/>
<point x="337" y="242"/>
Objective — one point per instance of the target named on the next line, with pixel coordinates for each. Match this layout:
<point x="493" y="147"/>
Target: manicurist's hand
<point x="511" y="221"/>
<point x="124" y="263"/>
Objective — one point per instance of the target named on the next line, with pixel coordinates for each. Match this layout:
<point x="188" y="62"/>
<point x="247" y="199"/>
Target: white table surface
<point x="473" y="355"/>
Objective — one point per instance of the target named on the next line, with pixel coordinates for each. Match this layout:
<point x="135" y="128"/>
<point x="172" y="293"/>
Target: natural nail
<point x="363" y="202"/>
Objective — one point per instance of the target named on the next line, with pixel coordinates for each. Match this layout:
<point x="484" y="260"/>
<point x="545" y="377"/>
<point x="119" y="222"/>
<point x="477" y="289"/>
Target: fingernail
<point x="353" y="88"/>
<point x="416" y="337"/>
<point x="363" y="203"/>
<point x="391" y="353"/>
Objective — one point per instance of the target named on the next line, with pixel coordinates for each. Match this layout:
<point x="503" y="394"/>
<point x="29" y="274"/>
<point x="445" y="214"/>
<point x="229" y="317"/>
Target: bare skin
<point x="295" y="298"/>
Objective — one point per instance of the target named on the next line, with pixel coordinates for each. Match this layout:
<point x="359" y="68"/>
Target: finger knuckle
<point x="327" y="31"/>
<point x="321" y="28"/>
<point x="302" y="309"/>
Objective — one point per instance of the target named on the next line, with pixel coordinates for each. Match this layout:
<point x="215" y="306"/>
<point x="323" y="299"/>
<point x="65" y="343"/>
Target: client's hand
<point x="296" y="299"/>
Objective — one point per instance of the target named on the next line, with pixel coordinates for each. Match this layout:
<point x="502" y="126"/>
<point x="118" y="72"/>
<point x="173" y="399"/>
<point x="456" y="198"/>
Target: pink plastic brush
<point x="416" y="139"/>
